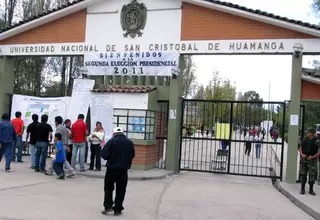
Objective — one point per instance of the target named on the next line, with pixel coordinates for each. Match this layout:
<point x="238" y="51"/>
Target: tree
<point x="253" y="97"/>
<point x="200" y="93"/>
<point x="316" y="7"/>
<point x="219" y="89"/>
<point x="251" y="111"/>
<point x="189" y="76"/>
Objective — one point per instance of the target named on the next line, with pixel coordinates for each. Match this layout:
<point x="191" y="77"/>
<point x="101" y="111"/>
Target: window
<point x="136" y="124"/>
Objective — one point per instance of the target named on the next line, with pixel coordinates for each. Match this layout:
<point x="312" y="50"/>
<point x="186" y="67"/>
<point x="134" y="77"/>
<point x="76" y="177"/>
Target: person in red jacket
<point x="79" y="133"/>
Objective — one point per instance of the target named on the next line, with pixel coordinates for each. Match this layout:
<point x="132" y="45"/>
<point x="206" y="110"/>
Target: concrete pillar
<point x="6" y="83"/>
<point x="294" y="109"/>
<point x="174" y="126"/>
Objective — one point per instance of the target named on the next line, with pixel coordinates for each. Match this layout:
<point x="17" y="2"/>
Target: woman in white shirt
<point x="96" y="139"/>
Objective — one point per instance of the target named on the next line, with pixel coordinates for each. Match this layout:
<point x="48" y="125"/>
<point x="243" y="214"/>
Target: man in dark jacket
<point x="119" y="153"/>
<point x="7" y="137"/>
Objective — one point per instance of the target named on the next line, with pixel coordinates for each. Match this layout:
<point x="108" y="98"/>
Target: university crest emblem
<point x="133" y="18"/>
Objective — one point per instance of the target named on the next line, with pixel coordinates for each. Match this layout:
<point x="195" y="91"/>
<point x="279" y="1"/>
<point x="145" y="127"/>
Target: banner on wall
<point x="101" y="109"/>
<point x="132" y="63"/>
<point x="29" y="105"/>
<point x="80" y="99"/>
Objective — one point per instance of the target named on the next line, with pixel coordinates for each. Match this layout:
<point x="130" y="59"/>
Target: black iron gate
<point x="162" y="133"/>
<point x="215" y="137"/>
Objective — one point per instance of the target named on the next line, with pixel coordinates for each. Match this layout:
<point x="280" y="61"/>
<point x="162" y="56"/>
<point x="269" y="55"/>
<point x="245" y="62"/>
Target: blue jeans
<point x="41" y="155"/>
<point x="32" y="151"/>
<point x="75" y="148"/>
<point x="258" y="150"/>
<point x="58" y="168"/>
<point x="7" y="151"/>
<point x="17" y="143"/>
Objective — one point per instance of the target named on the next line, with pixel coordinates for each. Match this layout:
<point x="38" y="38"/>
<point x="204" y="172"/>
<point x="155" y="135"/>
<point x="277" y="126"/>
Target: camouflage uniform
<point x="310" y="147"/>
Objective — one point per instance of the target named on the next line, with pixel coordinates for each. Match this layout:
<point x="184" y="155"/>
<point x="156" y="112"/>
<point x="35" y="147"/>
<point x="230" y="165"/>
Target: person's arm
<point x="107" y="150"/>
<point x="28" y="133"/>
<point x="50" y="134"/>
<point x="318" y="154"/>
<point x="133" y="151"/>
<point x="59" y="147"/>
<point x="86" y="130"/>
<point x="1" y="134"/>
<point x="301" y="153"/>
<point x="22" y="127"/>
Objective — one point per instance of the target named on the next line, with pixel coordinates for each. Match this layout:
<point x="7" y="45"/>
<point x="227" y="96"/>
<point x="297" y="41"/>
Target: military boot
<point x="303" y="191"/>
<point x="311" y="192"/>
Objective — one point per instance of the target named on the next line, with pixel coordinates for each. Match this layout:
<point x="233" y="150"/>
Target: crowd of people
<point x="69" y="141"/>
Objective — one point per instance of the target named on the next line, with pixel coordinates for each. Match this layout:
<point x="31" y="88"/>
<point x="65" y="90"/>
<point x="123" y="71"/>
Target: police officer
<point x="309" y="151"/>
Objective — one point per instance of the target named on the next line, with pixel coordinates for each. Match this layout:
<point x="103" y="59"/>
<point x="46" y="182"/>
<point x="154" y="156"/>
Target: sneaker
<point x="117" y="213"/>
<point x="106" y="211"/>
<point x="8" y="170"/>
<point x="20" y="161"/>
<point x="83" y="171"/>
<point x="36" y="170"/>
<point x="43" y="171"/>
<point x="71" y="175"/>
<point x="60" y="177"/>
<point x="48" y="174"/>
<point x="97" y="170"/>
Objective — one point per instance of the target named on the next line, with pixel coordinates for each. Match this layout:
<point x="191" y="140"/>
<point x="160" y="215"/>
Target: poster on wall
<point x="101" y="109"/>
<point x="132" y="63"/>
<point x="80" y="98"/>
<point x="137" y="124"/>
<point x="29" y="105"/>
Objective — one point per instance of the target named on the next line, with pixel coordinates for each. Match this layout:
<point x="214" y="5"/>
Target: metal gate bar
<point x="214" y="137"/>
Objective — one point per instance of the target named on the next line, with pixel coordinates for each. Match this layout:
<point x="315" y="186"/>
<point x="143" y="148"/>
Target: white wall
<point x="130" y="101"/>
<point x="104" y="25"/>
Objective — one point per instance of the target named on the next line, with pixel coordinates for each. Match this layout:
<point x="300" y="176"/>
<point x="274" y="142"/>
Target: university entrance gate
<point x="215" y="134"/>
<point x="71" y="30"/>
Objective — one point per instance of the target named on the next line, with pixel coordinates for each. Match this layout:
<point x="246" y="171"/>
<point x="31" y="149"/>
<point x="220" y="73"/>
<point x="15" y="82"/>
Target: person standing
<point x="44" y="137"/>
<point x="96" y="140"/>
<point x="119" y="153"/>
<point x="258" y="138"/>
<point x="18" y="125"/>
<point x="248" y="138"/>
<point x="309" y="151"/>
<point x="7" y="137"/>
<point x="79" y="131"/>
<point x="67" y="123"/>
<point x="32" y="133"/>
<point x="63" y="131"/>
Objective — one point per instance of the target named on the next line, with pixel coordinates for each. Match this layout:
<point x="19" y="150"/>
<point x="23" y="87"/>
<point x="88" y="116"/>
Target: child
<point x="60" y="157"/>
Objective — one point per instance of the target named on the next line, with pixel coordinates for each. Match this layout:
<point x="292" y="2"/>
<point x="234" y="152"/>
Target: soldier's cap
<point x="311" y="130"/>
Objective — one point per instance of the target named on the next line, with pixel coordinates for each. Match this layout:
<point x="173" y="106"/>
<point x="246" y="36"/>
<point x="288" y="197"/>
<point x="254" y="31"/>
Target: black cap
<point x="311" y="130"/>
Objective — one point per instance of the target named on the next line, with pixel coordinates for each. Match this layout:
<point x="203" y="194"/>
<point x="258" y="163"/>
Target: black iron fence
<point x="233" y="137"/>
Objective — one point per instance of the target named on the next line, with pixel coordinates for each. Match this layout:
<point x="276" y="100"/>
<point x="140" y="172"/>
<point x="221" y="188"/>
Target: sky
<point x="254" y="72"/>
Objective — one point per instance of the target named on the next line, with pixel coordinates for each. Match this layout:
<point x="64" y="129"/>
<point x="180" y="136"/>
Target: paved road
<point x="31" y="196"/>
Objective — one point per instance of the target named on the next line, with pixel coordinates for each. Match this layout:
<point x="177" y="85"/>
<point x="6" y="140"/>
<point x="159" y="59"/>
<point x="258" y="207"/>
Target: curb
<point x="159" y="177"/>
<point x="301" y="205"/>
<point x="313" y="213"/>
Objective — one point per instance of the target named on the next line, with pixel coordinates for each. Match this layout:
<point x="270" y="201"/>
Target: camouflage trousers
<point x="308" y="167"/>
